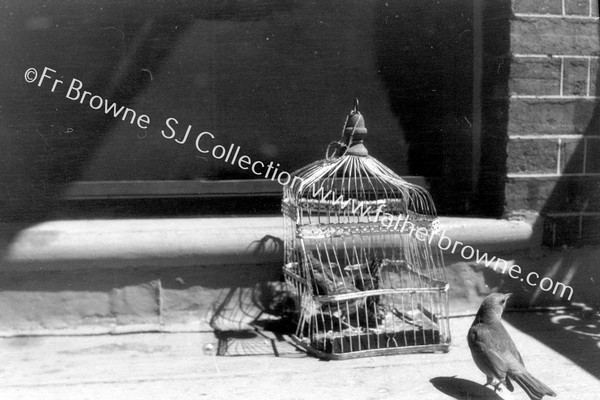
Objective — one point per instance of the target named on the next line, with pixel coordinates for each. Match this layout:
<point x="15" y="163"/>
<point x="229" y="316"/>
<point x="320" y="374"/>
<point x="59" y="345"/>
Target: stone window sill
<point x="177" y="242"/>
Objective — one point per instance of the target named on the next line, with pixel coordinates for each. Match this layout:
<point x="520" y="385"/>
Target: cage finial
<point x="354" y="132"/>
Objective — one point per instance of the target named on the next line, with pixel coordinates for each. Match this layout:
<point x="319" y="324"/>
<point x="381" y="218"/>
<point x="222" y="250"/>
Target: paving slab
<point x="262" y="365"/>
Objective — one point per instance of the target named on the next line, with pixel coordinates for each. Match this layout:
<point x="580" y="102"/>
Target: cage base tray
<point x="374" y="340"/>
<point x="373" y="344"/>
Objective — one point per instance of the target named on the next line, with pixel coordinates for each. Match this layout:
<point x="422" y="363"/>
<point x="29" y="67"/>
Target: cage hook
<point x="342" y="145"/>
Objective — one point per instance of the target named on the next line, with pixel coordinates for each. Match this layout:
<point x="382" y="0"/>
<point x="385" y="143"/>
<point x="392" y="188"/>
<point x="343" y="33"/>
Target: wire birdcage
<point x="359" y="262"/>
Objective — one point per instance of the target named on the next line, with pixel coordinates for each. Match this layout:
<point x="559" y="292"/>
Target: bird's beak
<point x="507" y="296"/>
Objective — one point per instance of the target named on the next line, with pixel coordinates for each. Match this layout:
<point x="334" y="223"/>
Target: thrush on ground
<point x="494" y="352"/>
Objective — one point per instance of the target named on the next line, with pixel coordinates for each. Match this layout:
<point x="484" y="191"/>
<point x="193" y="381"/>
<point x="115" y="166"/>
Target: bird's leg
<point x="490" y="381"/>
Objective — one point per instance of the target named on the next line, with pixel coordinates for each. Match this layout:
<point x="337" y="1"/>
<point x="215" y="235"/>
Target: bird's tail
<point x="533" y="387"/>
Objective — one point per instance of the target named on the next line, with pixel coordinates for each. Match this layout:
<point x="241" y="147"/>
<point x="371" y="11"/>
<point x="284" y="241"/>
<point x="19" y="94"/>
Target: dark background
<point x="274" y="77"/>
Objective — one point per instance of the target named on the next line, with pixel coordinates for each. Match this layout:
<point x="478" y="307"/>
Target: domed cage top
<point x="359" y="258"/>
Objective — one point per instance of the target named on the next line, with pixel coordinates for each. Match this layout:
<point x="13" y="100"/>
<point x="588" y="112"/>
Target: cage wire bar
<point x="359" y="262"/>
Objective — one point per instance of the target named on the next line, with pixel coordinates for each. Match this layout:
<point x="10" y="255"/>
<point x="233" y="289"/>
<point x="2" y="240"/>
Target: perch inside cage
<point x="358" y="259"/>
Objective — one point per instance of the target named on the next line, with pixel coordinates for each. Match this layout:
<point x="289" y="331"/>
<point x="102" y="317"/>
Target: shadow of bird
<point x="463" y="389"/>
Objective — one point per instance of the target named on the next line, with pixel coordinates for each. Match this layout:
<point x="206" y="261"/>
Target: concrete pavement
<point x="562" y="349"/>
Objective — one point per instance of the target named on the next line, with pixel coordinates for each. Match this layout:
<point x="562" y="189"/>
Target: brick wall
<point x="553" y="149"/>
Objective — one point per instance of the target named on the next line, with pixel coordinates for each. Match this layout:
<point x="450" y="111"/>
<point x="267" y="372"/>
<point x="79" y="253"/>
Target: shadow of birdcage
<point x="253" y="343"/>
<point x="249" y="320"/>
<point x="267" y="246"/>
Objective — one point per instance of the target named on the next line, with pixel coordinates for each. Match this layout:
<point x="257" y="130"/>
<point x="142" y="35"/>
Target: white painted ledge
<point x="176" y="242"/>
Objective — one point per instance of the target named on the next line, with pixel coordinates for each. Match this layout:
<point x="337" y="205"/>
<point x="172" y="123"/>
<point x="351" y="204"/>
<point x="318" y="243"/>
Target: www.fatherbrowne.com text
<point x="76" y="92"/>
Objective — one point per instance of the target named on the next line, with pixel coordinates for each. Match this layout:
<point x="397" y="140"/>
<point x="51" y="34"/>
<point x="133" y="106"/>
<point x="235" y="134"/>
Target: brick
<point x="537" y="6"/>
<point x="594" y="8"/>
<point x="543" y="116"/>
<point x="592" y="164"/>
<point x="590" y="229"/>
<point x="528" y="193"/>
<point x="559" y="231"/>
<point x="594" y="77"/>
<point x="575" y="194"/>
<point x="553" y="194"/>
<point x="577" y="7"/>
<point x="571" y="156"/>
<point x="554" y="36"/>
<point x="535" y="76"/>
<point x="532" y="156"/>
<point x="575" y="77"/>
